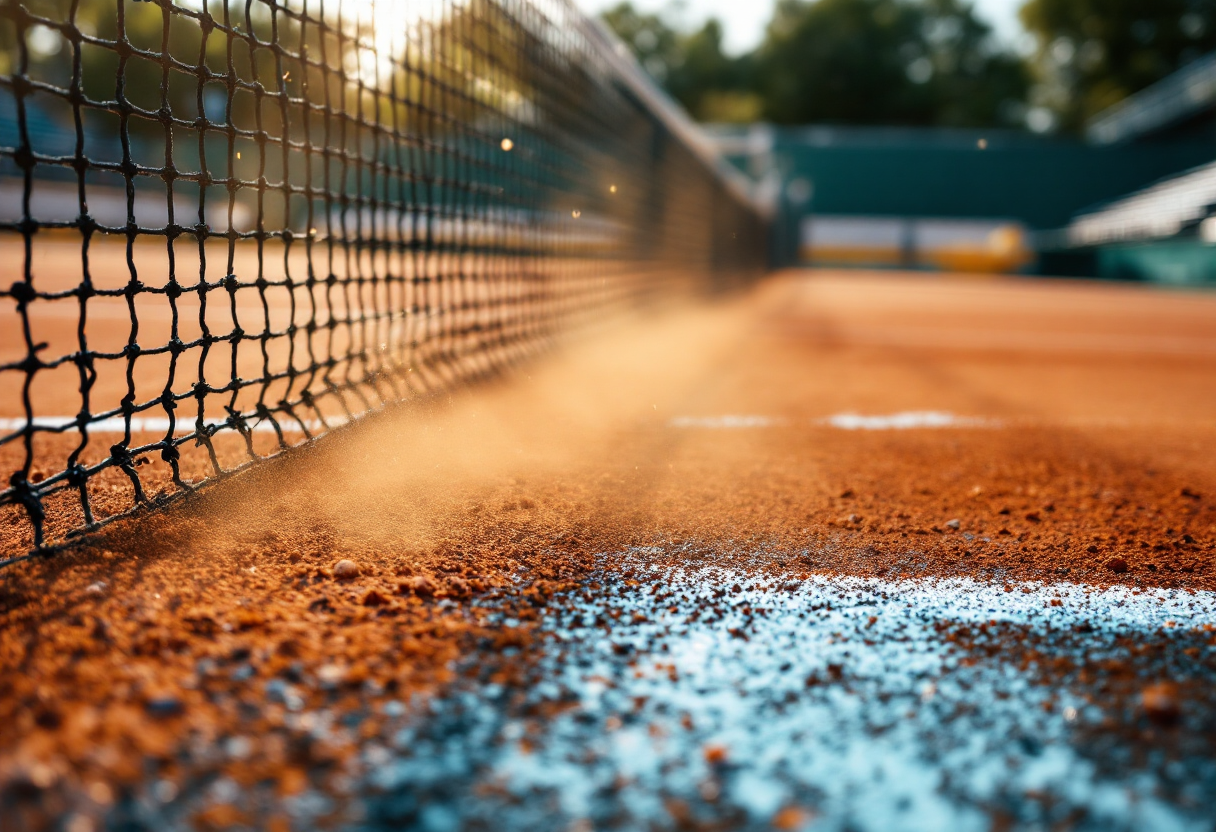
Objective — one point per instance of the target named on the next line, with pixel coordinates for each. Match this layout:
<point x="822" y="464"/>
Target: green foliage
<point x="1093" y="53"/>
<point x="692" y="67"/>
<point x="656" y="45"/>
<point x="845" y="61"/>
<point x="912" y="62"/>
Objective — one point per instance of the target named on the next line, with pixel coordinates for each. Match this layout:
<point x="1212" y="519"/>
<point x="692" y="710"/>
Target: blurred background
<point x="1055" y="137"/>
<point x="1061" y="137"/>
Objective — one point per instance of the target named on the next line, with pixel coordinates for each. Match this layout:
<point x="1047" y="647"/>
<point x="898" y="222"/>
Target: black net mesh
<point x="229" y="226"/>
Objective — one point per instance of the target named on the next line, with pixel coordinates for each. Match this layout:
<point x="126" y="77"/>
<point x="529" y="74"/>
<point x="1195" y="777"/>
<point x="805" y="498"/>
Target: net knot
<point x="21" y="85"/>
<point x="78" y="475"/>
<point x="238" y="422"/>
<point x="22" y="292"/>
<point x="27" y="495"/>
<point x="121" y="455"/>
<point x="32" y="363"/>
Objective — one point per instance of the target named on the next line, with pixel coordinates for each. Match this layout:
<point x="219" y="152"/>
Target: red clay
<point x="355" y="562"/>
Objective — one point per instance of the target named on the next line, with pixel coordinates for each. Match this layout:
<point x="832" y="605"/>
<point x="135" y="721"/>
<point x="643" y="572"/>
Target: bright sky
<point x="744" y="20"/>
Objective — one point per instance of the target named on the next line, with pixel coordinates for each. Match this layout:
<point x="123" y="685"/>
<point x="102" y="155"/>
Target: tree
<point x="655" y="44"/>
<point x="710" y="84"/>
<point x="886" y="62"/>
<point x="1091" y="54"/>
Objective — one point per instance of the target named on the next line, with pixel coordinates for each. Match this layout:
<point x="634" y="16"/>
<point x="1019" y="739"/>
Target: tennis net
<point x="231" y="226"/>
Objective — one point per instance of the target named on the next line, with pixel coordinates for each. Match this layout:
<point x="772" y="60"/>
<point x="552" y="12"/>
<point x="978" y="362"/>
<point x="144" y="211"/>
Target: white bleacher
<point x="1159" y="211"/>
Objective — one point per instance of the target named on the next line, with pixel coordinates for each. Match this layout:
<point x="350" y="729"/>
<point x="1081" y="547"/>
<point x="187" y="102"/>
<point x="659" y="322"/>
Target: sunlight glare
<point x="386" y="27"/>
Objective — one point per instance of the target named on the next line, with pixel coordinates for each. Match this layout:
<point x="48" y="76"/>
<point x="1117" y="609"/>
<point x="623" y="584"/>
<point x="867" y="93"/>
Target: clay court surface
<point x="700" y="567"/>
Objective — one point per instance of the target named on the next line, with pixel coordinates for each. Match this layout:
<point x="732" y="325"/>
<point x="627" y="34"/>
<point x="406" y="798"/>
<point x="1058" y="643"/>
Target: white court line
<point x="906" y="421"/>
<point x="140" y="424"/>
<point x="843" y="421"/>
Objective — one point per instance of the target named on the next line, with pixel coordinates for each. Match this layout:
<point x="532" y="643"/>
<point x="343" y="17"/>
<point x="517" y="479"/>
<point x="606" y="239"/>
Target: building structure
<point x="1166" y="231"/>
<point x="980" y="200"/>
